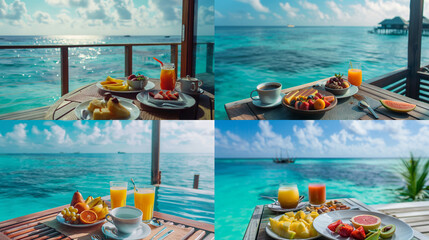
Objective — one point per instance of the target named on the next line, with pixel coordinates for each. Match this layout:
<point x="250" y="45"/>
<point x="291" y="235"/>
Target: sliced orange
<point x="329" y="98"/>
<point x="81" y="207"/>
<point x="88" y="217"/>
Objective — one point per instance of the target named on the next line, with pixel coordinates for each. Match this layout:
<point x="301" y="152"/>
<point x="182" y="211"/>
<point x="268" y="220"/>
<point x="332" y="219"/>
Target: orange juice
<point x="317" y="194"/>
<point x="144" y="200"/>
<point x="118" y="196"/>
<point x="168" y="77"/>
<point x="288" y="196"/>
<point x="355" y="76"/>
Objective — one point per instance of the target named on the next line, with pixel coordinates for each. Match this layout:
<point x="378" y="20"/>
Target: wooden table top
<point x="262" y="214"/>
<point x="245" y="110"/>
<point x="36" y="226"/>
<point x="63" y="109"/>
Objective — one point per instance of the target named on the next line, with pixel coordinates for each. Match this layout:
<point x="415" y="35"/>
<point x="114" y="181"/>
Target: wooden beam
<point x="64" y="70"/>
<point x="389" y="78"/>
<point x="196" y="180"/>
<point x="414" y="47"/>
<point x="128" y="60"/>
<point x="156" y="134"/>
<point x="188" y="38"/>
<point x="423" y="75"/>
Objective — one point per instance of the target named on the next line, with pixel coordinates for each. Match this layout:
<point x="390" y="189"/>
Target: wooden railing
<point x="174" y="50"/>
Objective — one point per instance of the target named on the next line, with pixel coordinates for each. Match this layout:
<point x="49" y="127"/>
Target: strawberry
<point x="172" y="96"/>
<point x="168" y="92"/>
<point x="304" y="106"/>
<point x="151" y="94"/>
<point x="311" y="103"/>
<point x="158" y="96"/>
<point x="334" y="225"/>
<point x="345" y="230"/>
<point x="359" y="233"/>
<point x="319" y="95"/>
<point x="177" y="95"/>
<point x="165" y="96"/>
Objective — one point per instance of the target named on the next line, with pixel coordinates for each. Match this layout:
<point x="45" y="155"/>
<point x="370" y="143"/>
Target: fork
<point x="96" y="237"/>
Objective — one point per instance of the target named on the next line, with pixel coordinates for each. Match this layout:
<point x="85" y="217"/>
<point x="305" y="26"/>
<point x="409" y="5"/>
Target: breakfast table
<point x="42" y="225"/>
<point x="346" y="108"/>
<point x="63" y="109"/>
<point x="262" y="214"/>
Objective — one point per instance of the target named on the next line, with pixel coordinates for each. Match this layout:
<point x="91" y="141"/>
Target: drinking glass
<point x="317" y="193"/>
<point x="288" y="196"/>
<point x="144" y="199"/>
<point x="355" y="74"/>
<point x="118" y="194"/>
<point x="168" y="77"/>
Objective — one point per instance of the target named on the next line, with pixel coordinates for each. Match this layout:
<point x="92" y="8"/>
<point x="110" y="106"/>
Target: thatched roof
<point x="394" y="21"/>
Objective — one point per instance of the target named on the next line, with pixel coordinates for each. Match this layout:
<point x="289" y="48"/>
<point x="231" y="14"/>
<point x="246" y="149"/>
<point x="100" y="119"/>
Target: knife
<point x="158" y="233"/>
<point x="165" y="235"/>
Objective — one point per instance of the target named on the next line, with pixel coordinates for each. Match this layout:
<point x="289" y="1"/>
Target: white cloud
<point x="313" y="8"/>
<point x="309" y="135"/>
<point x="57" y="135"/>
<point x="267" y="140"/>
<point x="219" y="14"/>
<point x="81" y="125"/>
<point x="262" y="16"/>
<point x="42" y="17"/>
<point x="337" y="10"/>
<point x="35" y="130"/>
<point x="69" y="3"/>
<point x="256" y="4"/>
<point x="362" y="127"/>
<point x="291" y="11"/>
<point x="206" y="15"/>
<point x="249" y="16"/>
<point x="15" y="12"/>
<point x="277" y="16"/>
<point x="187" y="136"/>
<point x="19" y="133"/>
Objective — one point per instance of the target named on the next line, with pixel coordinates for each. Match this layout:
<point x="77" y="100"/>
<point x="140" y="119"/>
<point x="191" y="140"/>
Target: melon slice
<point x="398" y="106"/>
<point x="368" y="222"/>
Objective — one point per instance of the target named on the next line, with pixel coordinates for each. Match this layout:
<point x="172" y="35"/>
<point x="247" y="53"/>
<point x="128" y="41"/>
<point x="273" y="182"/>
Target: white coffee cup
<point x="268" y="92"/>
<point x="125" y="219"/>
<point x="190" y="85"/>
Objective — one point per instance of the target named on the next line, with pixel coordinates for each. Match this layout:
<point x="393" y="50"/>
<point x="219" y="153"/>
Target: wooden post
<point x="210" y="57"/>
<point x="128" y="60"/>
<point x="196" y="180"/>
<point x="188" y="32"/>
<point x="174" y="56"/>
<point x="414" y="48"/>
<point x="64" y="70"/>
<point x="156" y="133"/>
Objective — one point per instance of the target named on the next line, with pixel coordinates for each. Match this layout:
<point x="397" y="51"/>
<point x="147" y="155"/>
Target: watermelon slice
<point x="398" y="106"/>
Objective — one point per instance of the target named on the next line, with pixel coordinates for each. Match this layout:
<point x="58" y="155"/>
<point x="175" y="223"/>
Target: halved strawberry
<point x="359" y="233"/>
<point x="151" y="94"/>
<point x="158" y="96"/>
<point x="172" y="96"/>
<point x="176" y="94"/>
<point x="346" y="230"/>
<point x="165" y="96"/>
<point x="334" y="225"/>
<point x="168" y="92"/>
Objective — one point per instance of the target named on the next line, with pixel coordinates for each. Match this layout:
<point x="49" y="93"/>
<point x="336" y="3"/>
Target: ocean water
<point x="31" y="77"/>
<point x="247" y="56"/>
<point x="240" y="182"/>
<point x="31" y="183"/>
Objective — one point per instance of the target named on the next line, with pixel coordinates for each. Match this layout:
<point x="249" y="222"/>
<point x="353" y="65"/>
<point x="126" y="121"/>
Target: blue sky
<point x="104" y="136"/>
<point x="343" y="139"/>
<point x="99" y="17"/>
<point x="309" y="12"/>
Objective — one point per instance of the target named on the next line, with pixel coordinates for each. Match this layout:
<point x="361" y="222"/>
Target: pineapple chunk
<point x="313" y="231"/>
<point x="94" y="104"/>
<point x="314" y="214"/>
<point x="282" y="229"/>
<point x="299" y="215"/>
<point x="101" y="114"/>
<point x="289" y="214"/>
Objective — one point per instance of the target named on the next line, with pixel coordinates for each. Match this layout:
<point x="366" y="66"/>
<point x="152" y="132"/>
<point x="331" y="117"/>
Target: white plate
<point x="148" y="86"/>
<point x="61" y="220"/>
<point x="188" y="102"/>
<point x="403" y="230"/>
<point x="110" y="231"/>
<point x="133" y="109"/>
<point x="258" y="103"/>
<point x="179" y="101"/>
<point x="350" y="92"/>
<point x="275" y="236"/>
<point x="278" y="208"/>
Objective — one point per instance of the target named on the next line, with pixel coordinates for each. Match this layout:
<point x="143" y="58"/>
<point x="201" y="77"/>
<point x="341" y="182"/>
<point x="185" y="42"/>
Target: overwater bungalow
<point x="199" y="104"/>
<point x="394" y="26"/>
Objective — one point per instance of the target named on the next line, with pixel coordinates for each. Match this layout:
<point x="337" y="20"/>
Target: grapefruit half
<point x="368" y="222"/>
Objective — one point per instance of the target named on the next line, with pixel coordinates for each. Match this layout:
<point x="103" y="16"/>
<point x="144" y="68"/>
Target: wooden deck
<point x="415" y="214"/>
<point x="30" y="114"/>
<point x="346" y="108"/>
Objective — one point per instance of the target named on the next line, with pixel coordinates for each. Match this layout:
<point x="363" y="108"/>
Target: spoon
<point x="363" y="104"/>
<point x="132" y="180"/>
<point x="155" y="223"/>
<point x="85" y="114"/>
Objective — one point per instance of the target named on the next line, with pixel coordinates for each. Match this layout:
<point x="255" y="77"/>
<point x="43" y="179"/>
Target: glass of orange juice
<point x="118" y="194"/>
<point x="355" y="74"/>
<point x="144" y="199"/>
<point x="288" y="196"/>
<point x="168" y="77"/>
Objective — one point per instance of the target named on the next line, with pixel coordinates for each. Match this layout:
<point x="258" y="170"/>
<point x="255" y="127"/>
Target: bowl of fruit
<point x="309" y="101"/>
<point x="137" y="82"/>
<point x="337" y="85"/>
<point x="83" y="213"/>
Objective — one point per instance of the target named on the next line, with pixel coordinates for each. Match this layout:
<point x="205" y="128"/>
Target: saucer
<point x="110" y="231"/>
<point x="278" y="208"/>
<point x="258" y="103"/>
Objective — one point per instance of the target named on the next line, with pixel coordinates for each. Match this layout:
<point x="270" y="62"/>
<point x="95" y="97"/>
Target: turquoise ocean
<point x="247" y="56"/>
<point x="240" y="182"/>
<point x="31" y="183"/>
<point x="31" y="77"/>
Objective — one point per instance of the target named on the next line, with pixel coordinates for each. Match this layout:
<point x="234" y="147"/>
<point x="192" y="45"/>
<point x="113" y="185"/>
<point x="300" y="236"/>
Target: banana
<point x="94" y="202"/>
<point x="117" y="88"/>
<point x="110" y="79"/>
<point x="111" y="84"/>
<point x="89" y="199"/>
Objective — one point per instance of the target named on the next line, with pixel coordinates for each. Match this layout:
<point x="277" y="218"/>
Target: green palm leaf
<point x="414" y="173"/>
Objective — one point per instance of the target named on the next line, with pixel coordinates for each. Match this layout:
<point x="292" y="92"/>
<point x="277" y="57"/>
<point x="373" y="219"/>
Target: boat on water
<point x="285" y="160"/>
<point x="290" y="26"/>
<point x="121" y="152"/>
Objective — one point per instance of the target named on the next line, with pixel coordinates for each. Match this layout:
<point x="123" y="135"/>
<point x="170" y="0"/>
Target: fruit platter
<point x="109" y="108"/>
<point x="125" y="85"/>
<point x="361" y="225"/>
<point x="309" y="101"/>
<point x="292" y="225"/>
<point x="83" y="213"/>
